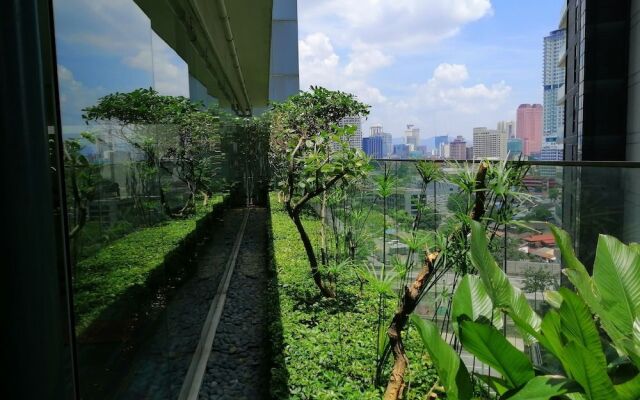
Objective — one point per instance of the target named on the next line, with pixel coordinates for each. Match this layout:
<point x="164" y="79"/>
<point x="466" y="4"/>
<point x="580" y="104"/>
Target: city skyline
<point x="471" y="65"/>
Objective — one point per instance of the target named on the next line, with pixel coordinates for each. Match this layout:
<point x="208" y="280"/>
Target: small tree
<point x="172" y="132"/>
<point x="310" y="154"/>
<point x="537" y="280"/>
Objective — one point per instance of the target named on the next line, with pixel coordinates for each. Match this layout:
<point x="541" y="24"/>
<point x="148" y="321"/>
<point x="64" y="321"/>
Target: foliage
<point x="325" y="353"/>
<point x="310" y="153"/>
<point x="172" y="132"/>
<point x="590" y="369"/>
<point x="83" y="179"/>
<point x="539" y="213"/>
<point x="538" y="280"/>
<point x="125" y="264"/>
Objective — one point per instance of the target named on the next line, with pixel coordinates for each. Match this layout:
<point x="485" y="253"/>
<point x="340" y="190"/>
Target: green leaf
<point x="616" y="274"/>
<point x="497" y="285"/>
<point x="451" y="370"/>
<point x="553" y="297"/>
<point x="584" y="368"/>
<point x="542" y="388"/>
<point x="495" y="383"/>
<point x="471" y="299"/>
<point x="489" y="346"/>
<point x="577" y="325"/>
<point x="630" y="390"/>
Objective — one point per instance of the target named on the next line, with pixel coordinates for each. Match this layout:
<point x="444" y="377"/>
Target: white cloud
<point x="450" y="73"/>
<point x="74" y="96"/>
<point x="400" y="24"/>
<point x="320" y="65"/>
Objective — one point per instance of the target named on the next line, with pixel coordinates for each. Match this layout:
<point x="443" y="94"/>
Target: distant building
<point x="489" y="144"/>
<point x="438" y="141"/>
<point x="458" y="149"/>
<point x="514" y="147"/>
<point x="553" y="83"/>
<point x="387" y="139"/>
<point x="412" y="135"/>
<point x="372" y="146"/>
<point x="508" y="127"/>
<point x="401" y="150"/>
<point x="470" y="153"/>
<point x="355" y="141"/>
<point x="529" y="128"/>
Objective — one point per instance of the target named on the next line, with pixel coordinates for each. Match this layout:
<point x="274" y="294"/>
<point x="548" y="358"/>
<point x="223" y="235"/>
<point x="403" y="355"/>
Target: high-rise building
<point x="412" y="135"/>
<point x="458" y="149"/>
<point x="514" y="147"/>
<point x="387" y="144"/>
<point x="355" y="140"/>
<point x="553" y="80"/>
<point x="529" y="128"/>
<point x="375" y="130"/>
<point x="401" y="150"/>
<point x="372" y="146"/>
<point x="387" y="139"/>
<point x="508" y="127"/>
<point x="602" y="122"/>
<point x="489" y="144"/>
<point x="470" y="153"/>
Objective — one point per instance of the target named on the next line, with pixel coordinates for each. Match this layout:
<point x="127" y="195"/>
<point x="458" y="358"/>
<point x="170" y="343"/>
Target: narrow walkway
<point x="159" y="370"/>
<point x="238" y="366"/>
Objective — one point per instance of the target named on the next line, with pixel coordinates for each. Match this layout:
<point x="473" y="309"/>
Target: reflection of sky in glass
<point x="104" y="46"/>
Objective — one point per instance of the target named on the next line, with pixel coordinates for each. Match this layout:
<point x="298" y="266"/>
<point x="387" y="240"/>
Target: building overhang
<point x="563" y="17"/>
<point x="226" y="45"/>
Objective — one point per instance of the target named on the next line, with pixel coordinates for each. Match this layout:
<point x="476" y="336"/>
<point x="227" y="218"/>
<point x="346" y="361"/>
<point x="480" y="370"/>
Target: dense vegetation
<point x="128" y="264"/>
<point x="328" y="346"/>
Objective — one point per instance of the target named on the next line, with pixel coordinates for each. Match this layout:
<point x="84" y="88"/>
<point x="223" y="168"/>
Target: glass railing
<point x="585" y="199"/>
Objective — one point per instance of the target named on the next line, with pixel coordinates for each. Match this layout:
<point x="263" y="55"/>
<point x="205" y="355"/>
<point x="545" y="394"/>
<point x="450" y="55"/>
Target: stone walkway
<point x="238" y="366"/>
<point x="159" y="369"/>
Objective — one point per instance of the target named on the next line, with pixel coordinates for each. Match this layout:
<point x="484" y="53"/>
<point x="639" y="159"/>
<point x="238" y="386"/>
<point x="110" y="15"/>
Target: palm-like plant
<point x="593" y="365"/>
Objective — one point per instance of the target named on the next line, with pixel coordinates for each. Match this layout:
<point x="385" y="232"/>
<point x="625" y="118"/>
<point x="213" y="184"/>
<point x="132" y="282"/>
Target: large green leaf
<point x="471" y="299"/>
<point x="542" y="388"/>
<point x="489" y="346"/>
<point x="451" y="370"/>
<point x="575" y="270"/>
<point x="585" y="369"/>
<point x="578" y="325"/>
<point x="579" y="277"/>
<point x="616" y="274"/>
<point x="630" y="390"/>
<point x="502" y="293"/>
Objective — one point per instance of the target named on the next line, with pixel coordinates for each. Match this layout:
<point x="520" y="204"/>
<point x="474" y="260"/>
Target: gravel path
<point x="159" y="369"/>
<point x="238" y="367"/>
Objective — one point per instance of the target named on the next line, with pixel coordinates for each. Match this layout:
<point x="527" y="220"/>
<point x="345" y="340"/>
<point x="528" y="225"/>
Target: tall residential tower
<point x="553" y="80"/>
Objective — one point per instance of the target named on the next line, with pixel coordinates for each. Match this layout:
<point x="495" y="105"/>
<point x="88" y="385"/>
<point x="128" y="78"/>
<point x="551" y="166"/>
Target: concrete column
<point x="284" y="80"/>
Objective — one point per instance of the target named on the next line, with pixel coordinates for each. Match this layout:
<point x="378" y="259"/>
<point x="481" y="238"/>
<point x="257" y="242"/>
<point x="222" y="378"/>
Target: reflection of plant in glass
<point x="310" y="154"/>
<point x="82" y="181"/>
<point x="592" y="365"/>
<point x="173" y="133"/>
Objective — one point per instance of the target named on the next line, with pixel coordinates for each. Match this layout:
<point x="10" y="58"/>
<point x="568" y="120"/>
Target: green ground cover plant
<point x="325" y="348"/>
<point x="130" y="264"/>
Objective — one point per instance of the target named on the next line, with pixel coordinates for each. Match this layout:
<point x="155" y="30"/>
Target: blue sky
<point x="104" y="46"/>
<point x="444" y="65"/>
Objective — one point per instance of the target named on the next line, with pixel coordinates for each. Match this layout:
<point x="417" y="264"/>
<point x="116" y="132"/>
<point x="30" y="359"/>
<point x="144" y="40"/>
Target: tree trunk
<point x="410" y="299"/>
<point x="413" y="293"/>
<point x="311" y="255"/>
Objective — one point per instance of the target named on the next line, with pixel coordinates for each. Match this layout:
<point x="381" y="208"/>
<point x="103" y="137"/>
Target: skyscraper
<point x="355" y="141"/>
<point x="372" y="146"/>
<point x="458" y="149"/>
<point x="529" y="128"/>
<point x="387" y="139"/>
<point x="412" y="135"/>
<point x="508" y="127"/>
<point x="601" y="121"/>
<point x="489" y="144"/>
<point x="553" y="80"/>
